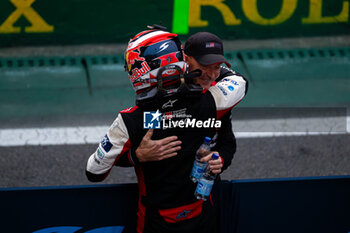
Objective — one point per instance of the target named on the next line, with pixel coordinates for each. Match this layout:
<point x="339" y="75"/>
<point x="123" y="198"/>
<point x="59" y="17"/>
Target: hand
<point x="156" y="150"/>
<point x="214" y="165"/>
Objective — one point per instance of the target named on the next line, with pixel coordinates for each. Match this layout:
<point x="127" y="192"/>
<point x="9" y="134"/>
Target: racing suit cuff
<point x="223" y="161"/>
<point x="132" y="156"/>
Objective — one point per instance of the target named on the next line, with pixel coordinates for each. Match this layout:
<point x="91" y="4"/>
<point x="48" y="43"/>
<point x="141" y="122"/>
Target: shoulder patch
<point x="129" y="110"/>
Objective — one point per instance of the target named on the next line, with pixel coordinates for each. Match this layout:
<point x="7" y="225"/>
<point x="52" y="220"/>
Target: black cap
<point x="206" y="48"/>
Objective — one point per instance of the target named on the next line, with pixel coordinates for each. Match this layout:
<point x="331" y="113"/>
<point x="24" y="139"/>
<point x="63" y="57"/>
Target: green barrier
<point x="111" y="90"/>
<point x="40" y="22"/>
<point x="41" y="73"/>
<point x="237" y="63"/>
<point x="73" y="85"/>
<point x="98" y="84"/>
<point x="299" y="77"/>
<point x="105" y="70"/>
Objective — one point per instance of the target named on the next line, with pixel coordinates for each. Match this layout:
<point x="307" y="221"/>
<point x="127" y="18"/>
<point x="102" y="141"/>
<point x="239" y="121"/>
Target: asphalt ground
<point x="256" y="158"/>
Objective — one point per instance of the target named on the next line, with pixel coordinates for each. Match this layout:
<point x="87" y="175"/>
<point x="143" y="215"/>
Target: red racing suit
<point x="166" y="193"/>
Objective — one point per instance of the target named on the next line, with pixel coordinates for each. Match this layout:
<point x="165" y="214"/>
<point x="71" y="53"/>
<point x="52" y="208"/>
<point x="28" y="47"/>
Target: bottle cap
<point x="214" y="156"/>
<point x="207" y="139"/>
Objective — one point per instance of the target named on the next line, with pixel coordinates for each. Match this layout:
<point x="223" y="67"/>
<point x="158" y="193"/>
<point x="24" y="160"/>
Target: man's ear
<point x="188" y="59"/>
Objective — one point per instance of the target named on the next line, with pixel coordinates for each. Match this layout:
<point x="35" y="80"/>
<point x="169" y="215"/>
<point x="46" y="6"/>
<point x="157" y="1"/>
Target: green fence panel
<point x="42" y="86"/>
<point x="99" y="84"/>
<point x="64" y="85"/>
<point x="39" y="73"/>
<point x="110" y="85"/>
<point x="299" y="77"/>
<point x="107" y="71"/>
<point x="44" y="102"/>
<point x="237" y="64"/>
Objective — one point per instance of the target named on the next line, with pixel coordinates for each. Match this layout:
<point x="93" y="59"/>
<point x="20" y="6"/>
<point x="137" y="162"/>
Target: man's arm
<point x="114" y="146"/>
<point x="227" y="93"/>
<point x="225" y="147"/>
<point x="226" y="142"/>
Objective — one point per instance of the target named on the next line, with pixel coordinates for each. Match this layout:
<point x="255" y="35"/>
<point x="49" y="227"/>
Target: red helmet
<point x="146" y="53"/>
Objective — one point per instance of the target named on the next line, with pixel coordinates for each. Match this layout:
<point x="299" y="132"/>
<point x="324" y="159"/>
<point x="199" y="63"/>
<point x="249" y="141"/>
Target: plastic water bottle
<point x="206" y="182"/>
<point x="198" y="166"/>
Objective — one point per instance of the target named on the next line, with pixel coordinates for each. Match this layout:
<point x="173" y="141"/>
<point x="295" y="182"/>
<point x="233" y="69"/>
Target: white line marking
<point x="282" y="134"/>
<point x="94" y="134"/>
<point x="291" y="127"/>
<point x="52" y="136"/>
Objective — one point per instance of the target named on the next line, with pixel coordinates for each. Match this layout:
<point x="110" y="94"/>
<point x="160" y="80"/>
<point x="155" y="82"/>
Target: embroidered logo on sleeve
<point x="104" y="147"/>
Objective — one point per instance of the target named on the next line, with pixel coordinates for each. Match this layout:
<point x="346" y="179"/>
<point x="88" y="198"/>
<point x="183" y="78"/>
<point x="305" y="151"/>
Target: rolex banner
<point x="40" y="22"/>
